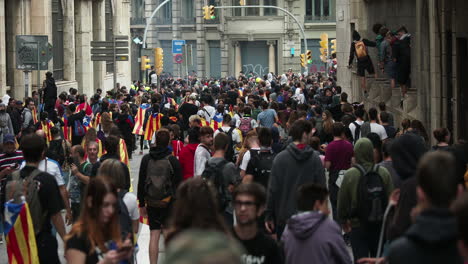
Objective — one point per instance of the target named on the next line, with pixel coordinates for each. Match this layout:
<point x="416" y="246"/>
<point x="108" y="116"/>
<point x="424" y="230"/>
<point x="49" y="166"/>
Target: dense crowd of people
<point x="254" y="169"/>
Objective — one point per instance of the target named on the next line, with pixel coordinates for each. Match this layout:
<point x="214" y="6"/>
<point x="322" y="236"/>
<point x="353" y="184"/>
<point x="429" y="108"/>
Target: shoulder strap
<point x="230" y="131"/>
<point x="360" y="168"/>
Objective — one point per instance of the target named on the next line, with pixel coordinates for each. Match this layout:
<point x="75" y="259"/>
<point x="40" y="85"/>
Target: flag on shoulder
<point x="19" y="234"/>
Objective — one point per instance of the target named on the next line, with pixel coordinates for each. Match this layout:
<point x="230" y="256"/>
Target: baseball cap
<point x="9" y="138"/>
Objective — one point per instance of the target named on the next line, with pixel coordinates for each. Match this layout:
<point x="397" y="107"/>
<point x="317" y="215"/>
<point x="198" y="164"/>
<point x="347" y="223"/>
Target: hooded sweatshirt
<point x="312" y="237"/>
<point x="431" y="239"/>
<point x="157" y="153"/>
<point x="406" y="151"/>
<point x="186" y="158"/>
<point x="291" y="168"/>
<point x="347" y="196"/>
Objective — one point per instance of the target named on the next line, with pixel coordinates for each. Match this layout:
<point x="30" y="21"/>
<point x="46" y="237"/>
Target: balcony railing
<point x="163" y="20"/>
<point x="187" y="20"/>
<point x="137" y="21"/>
<point x="320" y="19"/>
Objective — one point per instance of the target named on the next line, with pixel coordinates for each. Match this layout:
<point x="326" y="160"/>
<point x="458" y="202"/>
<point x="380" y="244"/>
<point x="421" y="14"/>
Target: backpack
<point x="245" y="125"/>
<point x="29" y="188"/>
<point x="361" y="50"/>
<point x="213" y="173"/>
<point x="57" y="151"/>
<point x="124" y="216"/>
<point x="261" y="161"/>
<point x="229" y="155"/>
<point x="79" y="129"/>
<point x="159" y="188"/>
<point x="365" y="129"/>
<point x="372" y="197"/>
<point x="357" y="132"/>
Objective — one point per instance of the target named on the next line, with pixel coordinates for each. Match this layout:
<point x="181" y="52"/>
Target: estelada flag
<point x="215" y="125"/>
<point x="204" y="122"/>
<point x="153" y="125"/>
<point x="19" y="234"/>
<point x="34" y="115"/>
<point x="138" y="129"/>
<point x="97" y="120"/>
<point x="67" y="131"/>
<point x="46" y="126"/>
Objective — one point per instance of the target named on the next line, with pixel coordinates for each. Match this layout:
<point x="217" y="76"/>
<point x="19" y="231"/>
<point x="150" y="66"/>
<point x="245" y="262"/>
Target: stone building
<point x="260" y="40"/>
<point x="439" y="48"/>
<point x="70" y="26"/>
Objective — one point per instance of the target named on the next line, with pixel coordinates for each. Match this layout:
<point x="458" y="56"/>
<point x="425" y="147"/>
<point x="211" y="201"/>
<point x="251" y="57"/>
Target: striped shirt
<point x="11" y="159"/>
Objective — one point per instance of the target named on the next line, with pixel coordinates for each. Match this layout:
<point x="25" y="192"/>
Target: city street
<point x="143" y="237"/>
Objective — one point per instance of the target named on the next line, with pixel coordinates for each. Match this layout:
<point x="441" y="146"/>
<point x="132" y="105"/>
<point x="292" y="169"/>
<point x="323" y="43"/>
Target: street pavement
<point x="143" y="235"/>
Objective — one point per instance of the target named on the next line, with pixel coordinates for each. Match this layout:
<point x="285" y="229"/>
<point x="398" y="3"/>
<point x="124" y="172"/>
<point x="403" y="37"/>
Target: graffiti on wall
<point x="257" y="70"/>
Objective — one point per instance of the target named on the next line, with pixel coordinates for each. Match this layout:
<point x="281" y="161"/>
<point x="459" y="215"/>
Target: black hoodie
<point x="157" y="153"/>
<point x="431" y="239"/>
<point x="291" y="168"/>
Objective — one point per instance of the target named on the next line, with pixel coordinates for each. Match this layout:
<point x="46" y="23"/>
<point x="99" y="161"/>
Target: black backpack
<point x="261" y="162"/>
<point x="372" y="197"/>
<point x="125" y="221"/>
<point x="57" y="151"/>
<point x="357" y="132"/>
<point x="229" y="155"/>
<point x="213" y="173"/>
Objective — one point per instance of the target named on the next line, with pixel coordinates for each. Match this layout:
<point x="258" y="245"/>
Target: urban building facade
<point x="439" y="57"/>
<point x="258" y="40"/>
<point x="70" y="25"/>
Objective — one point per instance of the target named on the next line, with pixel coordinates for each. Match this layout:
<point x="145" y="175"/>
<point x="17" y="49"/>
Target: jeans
<point x="364" y="241"/>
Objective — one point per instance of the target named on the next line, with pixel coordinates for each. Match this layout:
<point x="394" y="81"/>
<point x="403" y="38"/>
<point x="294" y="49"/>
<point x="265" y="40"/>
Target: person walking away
<point x="387" y="65"/>
<point x="373" y="126"/>
<point x="223" y="176"/>
<point x="268" y="117"/>
<point x="88" y="239"/>
<point x="234" y="135"/>
<point x="158" y="179"/>
<point x="6" y="127"/>
<point x="358" y="214"/>
<point x="442" y="135"/>
<point x="402" y="57"/>
<point x="296" y="165"/>
<point x="310" y="235"/>
<point x="420" y="244"/>
<point x="45" y="202"/>
<point x="338" y="157"/>
<point x="385" y="122"/>
<point x="387" y="163"/>
<point x="364" y="62"/>
<point x="15" y="115"/>
<point x="50" y="96"/>
<point x="261" y="160"/>
<point x="203" y="151"/>
<point x="80" y="177"/>
<point x="249" y="204"/>
<point x="355" y="126"/>
<point x="187" y="154"/>
<point x="75" y="122"/>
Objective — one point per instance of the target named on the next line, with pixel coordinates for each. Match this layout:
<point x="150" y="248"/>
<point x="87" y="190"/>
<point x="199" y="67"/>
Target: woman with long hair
<point x="418" y="127"/>
<point x="88" y="240"/>
<point x="405" y="126"/>
<point x="125" y="124"/>
<point x="105" y="126"/>
<point x="326" y="135"/>
<point x="196" y="207"/>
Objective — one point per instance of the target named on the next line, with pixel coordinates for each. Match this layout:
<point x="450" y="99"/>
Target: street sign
<point x="109" y="51"/>
<point x="177" y="46"/>
<point x="109" y="44"/>
<point x="109" y="58"/>
<point x="31" y="51"/>
<point x="178" y="58"/>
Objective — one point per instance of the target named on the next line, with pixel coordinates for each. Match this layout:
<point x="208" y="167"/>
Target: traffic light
<point x="303" y="61"/>
<point x="324" y="45"/>
<point x="242" y="2"/>
<point x="145" y="63"/>
<point x="333" y="46"/>
<point x="212" y="12"/>
<point x="206" y="13"/>
<point x="309" y="56"/>
<point x="159" y="60"/>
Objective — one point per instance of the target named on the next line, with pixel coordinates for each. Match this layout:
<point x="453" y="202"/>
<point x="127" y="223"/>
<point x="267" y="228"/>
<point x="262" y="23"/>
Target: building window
<point x="165" y="14"/>
<point x="270" y="11"/>
<point x="320" y="10"/>
<point x="57" y="38"/>
<point x="138" y="12"/>
<point x="188" y="12"/>
<point x="109" y="32"/>
<point x="254" y="11"/>
<point x="236" y="11"/>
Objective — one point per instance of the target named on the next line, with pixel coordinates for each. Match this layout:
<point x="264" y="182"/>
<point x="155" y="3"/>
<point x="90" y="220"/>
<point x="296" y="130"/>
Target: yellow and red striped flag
<point x="215" y="125"/>
<point x="138" y="129"/>
<point x="46" y="126"/>
<point x="67" y="131"/>
<point x="153" y="125"/>
<point x="34" y="115"/>
<point x="123" y="152"/>
<point x="204" y="122"/>
<point x="19" y="234"/>
<point x="97" y="120"/>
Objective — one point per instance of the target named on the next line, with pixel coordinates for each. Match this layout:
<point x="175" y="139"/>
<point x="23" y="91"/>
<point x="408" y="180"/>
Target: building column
<point x="3" y="54"/>
<point x="271" y="56"/>
<point x="121" y="20"/>
<point x="69" y="40"/>
<point x="17" y="23"/>
<point x="99" y="34"/>
<point x="238" y="61"/>
<point x="41" y="24"/>
<point x="83" y="37"/>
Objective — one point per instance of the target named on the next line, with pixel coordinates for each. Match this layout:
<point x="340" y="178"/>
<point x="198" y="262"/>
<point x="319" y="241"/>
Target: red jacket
<point x="186" y="159"/>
